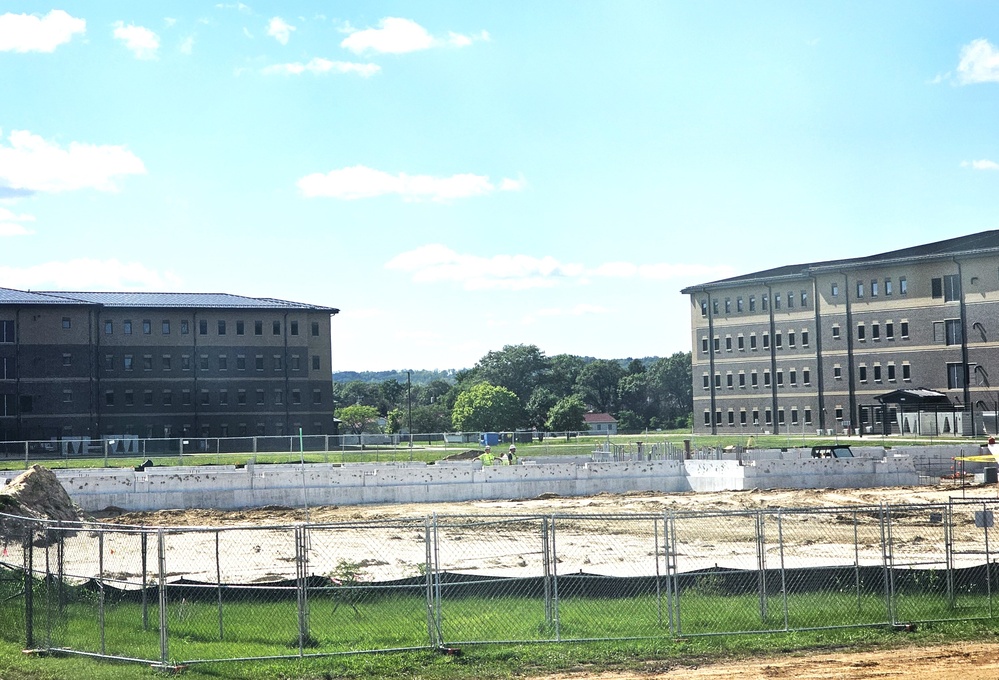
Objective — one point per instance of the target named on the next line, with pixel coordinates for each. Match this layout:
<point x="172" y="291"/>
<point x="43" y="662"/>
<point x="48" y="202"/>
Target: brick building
<point x="810" y="347"/>
<point x="162" y="365"/>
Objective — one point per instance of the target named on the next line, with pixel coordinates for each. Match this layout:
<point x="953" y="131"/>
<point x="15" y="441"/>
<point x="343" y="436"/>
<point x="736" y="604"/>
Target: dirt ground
<point x="960" y="661"/>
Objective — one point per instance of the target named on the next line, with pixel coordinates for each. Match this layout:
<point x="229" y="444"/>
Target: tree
<point x="394" y="421"/>
<point x="519" y="368"/>
<point x="562" y="374"/>
<point x="357" y="417"/>
<point x="670" y="382"/>
<point x="636" y="397"/>
<point x="486" y="408"/>
<point x="431" y="418"/>
<point x="538" y="406"/>
<point x="567" y="415"/>
<point x="597" y="384"/>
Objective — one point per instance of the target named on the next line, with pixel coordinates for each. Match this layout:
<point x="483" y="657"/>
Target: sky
<point x="458" y="176"/>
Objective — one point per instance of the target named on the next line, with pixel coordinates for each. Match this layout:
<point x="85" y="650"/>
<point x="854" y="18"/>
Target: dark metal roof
<point x="973" y="244"/>
<point x="919" y="396"/>
<point x="161" y="300"/>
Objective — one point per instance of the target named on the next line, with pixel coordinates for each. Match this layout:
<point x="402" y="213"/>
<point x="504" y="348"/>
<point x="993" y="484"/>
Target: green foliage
<point x="567" y="415"/>
<point x="538" y="406"/>
<point x="518" y="368"/>
<point x="357" y="418"/>
<point x="395" y="421"/>
<point x="597" y="385"/>
<point x="486" y="408"/>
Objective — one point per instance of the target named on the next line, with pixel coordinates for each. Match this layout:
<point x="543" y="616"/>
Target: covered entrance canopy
<point x="922" y="411"/>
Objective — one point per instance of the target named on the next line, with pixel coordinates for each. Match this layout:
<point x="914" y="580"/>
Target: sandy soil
<point x="960" y="661"/>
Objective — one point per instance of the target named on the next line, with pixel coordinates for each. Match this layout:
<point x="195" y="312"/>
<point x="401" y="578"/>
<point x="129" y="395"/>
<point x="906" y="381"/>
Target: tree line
<point x="518" y="387"/>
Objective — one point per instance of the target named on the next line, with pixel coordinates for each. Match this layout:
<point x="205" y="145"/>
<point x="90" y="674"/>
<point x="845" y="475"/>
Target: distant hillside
<point x="424" y="377"/>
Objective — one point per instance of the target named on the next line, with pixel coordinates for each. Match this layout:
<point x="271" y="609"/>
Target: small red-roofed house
<point x="601" y="423"/>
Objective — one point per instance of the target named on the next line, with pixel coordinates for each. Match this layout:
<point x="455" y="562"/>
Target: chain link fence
<point x="173" y="596"/>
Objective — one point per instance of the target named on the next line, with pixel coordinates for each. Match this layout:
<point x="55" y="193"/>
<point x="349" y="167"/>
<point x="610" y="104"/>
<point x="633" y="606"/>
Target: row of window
<point x="166" y="397"/>
<point x="739" y="379"/>
<point x="749" y="303"/>
<point x="204" y="361"/>
<point x="185" y="327"/>
<point x="877" y="373"/>
<point x="746" y="417"/>
<point x="875" y="288"/>
<point x="875" y="328"/>
<point x="740" y="341"/>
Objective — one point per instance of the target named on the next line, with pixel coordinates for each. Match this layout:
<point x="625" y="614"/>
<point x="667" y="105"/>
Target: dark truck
<point x="832" y="451"/>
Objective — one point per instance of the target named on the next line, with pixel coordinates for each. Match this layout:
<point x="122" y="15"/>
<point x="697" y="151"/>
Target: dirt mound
<point x="470" y="454"/>
<point x="37" y="493"/>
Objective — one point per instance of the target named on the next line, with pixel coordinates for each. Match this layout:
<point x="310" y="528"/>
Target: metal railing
<point x="174" y="596"/>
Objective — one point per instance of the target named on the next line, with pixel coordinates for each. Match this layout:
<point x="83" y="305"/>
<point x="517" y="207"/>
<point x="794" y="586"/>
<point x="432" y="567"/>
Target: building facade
<point x="77" y="365"/>
<point x="810" y="347"/>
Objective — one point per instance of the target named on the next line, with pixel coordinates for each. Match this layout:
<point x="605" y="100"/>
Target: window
<point x="278" y="363"/>
<point x="776" y="300"/>
<point x="834" y="289"/>
<point x="240" y="362"/>
<point x="728" y="305"/>
<point x="741" y="343"/>
<point x="780" y="377"/>
<point x="707" y="381"/>
<point x="717" y="344"/>
<point x="766" y="341"/>
<point x="835" y="332"/>
<point x="259" y="362"/>
<point x="704" y="345"/>
<point x="862" y="373"/>
<point x="837" y="372"/>
<point x="109" y="328"/>
<point x="126" y="327"/>
<point x="714" y="307"/>
<point x="6" y="331"/>
<point x="185" y="397"/>
<point x="742" y="379"/>
<point x="839" y="413"/>
<point x="794" y="415"/>
<point x="756" y="416"/>
<point x="717" y="379"/>
<point x="875" y="331"/>
<point x="874" y="288"/>
<point x="808" y="416"/>
<point x="952" y="288"/>
<point x="203" y="327"/>
<point x="754" y="379"/>
<point x="889" y="330"/>
<point x="278" y="397"/>
<point x="205" y="399"/>
<point x="742" y="417"/>
<point x="906" y="370"/>
<point x="109" y="398"/>
<point x="7" y="368"/>
<point x="731" y="417"/>
<point x="877" y="373"/>
<point x="185" y="327"/>
<point x="804" y="337"/>
<point x="67" y="396"/>
<point x="903" y="286"/>
<point x="128" y="362"/>
<point x="165" y="327"/>
<point x="317" y="396"/>
<point x="804" y="298"/>
<point x="752" y="341"/>
<point x="147" y="362"/>
<point x="891" y="372"/>
<point x="780" y="416"/>
<point x="129" y="398"/>
<point x="704" y="308"/>
<point x="108" y="362"/>
<point x="294" y="328"/>
<point x="147" y="326"/>
<point x="729" y="381"/>
<point x="752" y="303"/>
<point x="766" y="378"/>
<point x="258" y="327"/>
<point x="764" y="302"/>
<point x="955" y="376"/>
<point x="223" y="397"/>
<point x="147" y="398"/>
<point x="768" y="417"/>
<point x="276" y="328"/>
<point x="793" y="377"/>
<point x="728" y="343"/>
<point x="707" y="417"/>
<point x="861" y="332"/>
<point x="790" y="299"/>
<point x="315" y="329"/>
<point x="166" y="362"/>
<point x="223" y="362"/>
<point x="67" y="359"/>
<point x="296" y="396"/>
<point x="185" y="362"/>
<point x="260" y="397"/>
<point x="240" y="328"/>
<point x="738" y="304"/>
<point x="887" y="287"/>
<point x="806" y="376"/>
<point x="954" y="331"/>
<point x="67" y="323"/>
<point x="860" y="289"/>
<point x="221" y="326"/>
<point x="241" y="397"/>
<point x="203" y="362"/>
<point x="778" y="340"/>
<point x="790" y="338"/>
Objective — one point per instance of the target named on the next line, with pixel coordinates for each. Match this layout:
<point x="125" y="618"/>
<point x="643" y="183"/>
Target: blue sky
<point x="459" y="176"/>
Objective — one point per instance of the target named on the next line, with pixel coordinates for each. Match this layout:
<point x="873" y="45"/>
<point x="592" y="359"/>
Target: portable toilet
<point x="488" y="438"/>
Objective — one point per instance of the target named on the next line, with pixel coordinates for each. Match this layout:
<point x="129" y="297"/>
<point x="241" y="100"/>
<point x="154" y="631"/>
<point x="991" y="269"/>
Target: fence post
<point x="164" y="633"/>
<point x="144" y="541"/>
<point x="783" y="573"/>
<point x="437" y="580"/>
<point x="554" y="563"/>
<point x="29" y="591"/>
<point x="546" y="570"/>
<point x="761" y="566"/>
<point x="218" y="581"/>
<point x="988" y="560"/>
<point x="887" y="562"/>
<point x="100" y="589"/>
<point x="302" y="567"/>
<point x="949" y="554"/>
<point x="430" y="572"/>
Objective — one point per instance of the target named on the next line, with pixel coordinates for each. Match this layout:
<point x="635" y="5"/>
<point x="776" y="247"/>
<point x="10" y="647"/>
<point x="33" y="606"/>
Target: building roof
<point x="972" y="244"/>
<point x="919" y="396"/>
<point x="148" y="300"/>
<point x="598" y="418"/>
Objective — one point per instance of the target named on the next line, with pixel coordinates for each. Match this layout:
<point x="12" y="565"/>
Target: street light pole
<point x="409" y="408"/>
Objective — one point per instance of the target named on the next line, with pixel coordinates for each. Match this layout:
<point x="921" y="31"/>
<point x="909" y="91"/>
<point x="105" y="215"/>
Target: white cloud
<point x="320" y="66"/>
<point x="280" y="30"/>
<point x="983" y="164"/>
<point x="169" y="22"/>
<point x="32" y="164"/>
<point x="140" y="40"/>
<point x="363" y="182"/>
<point x="398" y="36"/>
<point x="979" y="63"/>
<point x="436" y="263"/>
<point x="87" y="274"/>
<point x="29" y="33"/>
<point x="187" y="45"/>
<point x="11" y="223"/>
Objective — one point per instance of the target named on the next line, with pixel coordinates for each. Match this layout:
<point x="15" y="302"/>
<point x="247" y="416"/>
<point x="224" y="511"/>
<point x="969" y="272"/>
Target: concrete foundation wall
<point x="230" y="488"/>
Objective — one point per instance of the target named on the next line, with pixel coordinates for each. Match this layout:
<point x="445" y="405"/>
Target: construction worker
<point x="486" y="457"/>
<point x="511" y="456"/>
